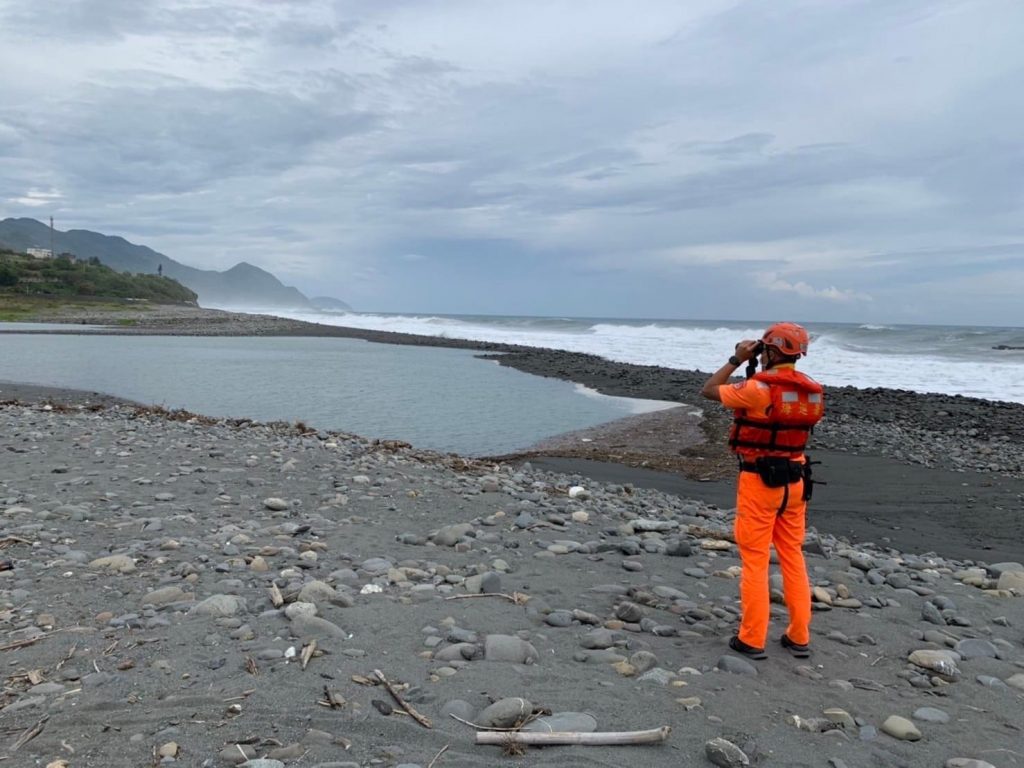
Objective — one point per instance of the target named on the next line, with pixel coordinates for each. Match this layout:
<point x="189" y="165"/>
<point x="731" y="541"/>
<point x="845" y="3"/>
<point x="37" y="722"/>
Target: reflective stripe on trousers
<point x="759" y="525"/>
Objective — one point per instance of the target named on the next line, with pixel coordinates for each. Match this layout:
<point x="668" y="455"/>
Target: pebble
<point x="505" y="713"/>
<point x="724" y="753"/>
<point x="900" y="728"/>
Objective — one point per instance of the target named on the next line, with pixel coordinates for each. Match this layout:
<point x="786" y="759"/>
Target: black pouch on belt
<point x="776" y="471"/>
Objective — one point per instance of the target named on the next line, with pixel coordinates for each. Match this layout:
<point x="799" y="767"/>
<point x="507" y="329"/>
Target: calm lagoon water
<point x="441" y="399"/>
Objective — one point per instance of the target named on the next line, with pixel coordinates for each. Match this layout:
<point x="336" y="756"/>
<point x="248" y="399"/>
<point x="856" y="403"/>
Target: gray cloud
<point x="836" y="155"/>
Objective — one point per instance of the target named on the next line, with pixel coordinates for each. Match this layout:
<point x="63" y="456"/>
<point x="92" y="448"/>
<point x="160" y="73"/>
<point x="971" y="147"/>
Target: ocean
<point x="955" y="360"/>
<point x="450" y="400"/>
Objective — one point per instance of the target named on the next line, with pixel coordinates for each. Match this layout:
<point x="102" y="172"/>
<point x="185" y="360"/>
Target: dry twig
<point x="401" y="702"/>
<point x="443" y="750"/>
<point x="68" y="657"/>
<point x="484" y="727"/>
<point x="516" y="597"/>
<point x="331" y="700"/>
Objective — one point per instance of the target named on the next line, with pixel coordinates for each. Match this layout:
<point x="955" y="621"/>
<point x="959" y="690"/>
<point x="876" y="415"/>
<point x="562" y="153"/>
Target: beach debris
<point x="518" y="598"/>
<point x="422" y="720"/>
<point x="307" y="652"/>
<point x="813" y="724"/>
<point x="437" y="757"/>
<point x="578" y="492"/>
<point x="599" y="738"/>
<point x="29" y="733"/>
<point x="332" y="700"/>
<point x="276" y="598"/>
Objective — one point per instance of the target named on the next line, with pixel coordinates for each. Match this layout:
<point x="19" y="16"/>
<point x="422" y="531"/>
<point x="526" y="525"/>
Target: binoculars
<point x="752" y="363"/>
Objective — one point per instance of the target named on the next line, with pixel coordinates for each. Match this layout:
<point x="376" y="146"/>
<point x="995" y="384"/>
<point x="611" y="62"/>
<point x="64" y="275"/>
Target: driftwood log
<point x="607" y="738"/>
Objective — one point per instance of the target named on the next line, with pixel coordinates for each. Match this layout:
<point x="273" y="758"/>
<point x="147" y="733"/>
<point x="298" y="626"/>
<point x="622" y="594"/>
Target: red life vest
<point x="798" y="403"/>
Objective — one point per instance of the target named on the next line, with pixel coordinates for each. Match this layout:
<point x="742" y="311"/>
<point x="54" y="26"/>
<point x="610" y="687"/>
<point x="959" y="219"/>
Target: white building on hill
<point x="40" y="253"/>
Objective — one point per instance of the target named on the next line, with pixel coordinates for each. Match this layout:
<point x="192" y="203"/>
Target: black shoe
<point x="798" y="650"/>
<point x="747" y="650"/>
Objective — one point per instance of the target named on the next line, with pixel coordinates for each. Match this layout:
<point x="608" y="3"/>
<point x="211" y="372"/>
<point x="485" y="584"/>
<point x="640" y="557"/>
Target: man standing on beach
<point x="774" y="413"/>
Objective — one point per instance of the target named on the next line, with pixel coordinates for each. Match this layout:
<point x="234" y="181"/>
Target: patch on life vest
<point x="739" y="385"/>
<point x="790" y="397"/>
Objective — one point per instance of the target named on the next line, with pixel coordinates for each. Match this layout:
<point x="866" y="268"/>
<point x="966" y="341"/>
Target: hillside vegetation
<point x="22" y="275"/>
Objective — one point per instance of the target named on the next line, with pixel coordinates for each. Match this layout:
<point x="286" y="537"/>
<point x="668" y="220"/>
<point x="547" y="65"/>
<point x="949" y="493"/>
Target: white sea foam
<point x="635" y="406"/>
<point x="947" y="360"/>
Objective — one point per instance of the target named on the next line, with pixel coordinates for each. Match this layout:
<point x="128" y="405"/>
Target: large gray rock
<point x="901" y="728"/>
<point x="998" y="569"/>
<point x="306" y="626"/>
<point x="458" y="652"/>
<point x="724" y="753"/>
<point x="577" y="722"/>
<point x="166" y="595"/>
<point x="118" y="563"/>
<point x="450" y="535"/>
<point x="1012" y="580"/>
<point x="317" y="592"/>
<point x="505" y="713"/>
<point x="219" y="606"/>
<point x="976" y="648"/>
<point x="508" y="648"/>
<point x="598" y="639"/>
<point x="736" y="665"/>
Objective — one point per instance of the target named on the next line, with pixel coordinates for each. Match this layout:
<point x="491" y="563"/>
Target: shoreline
<point x="903" y="436"/>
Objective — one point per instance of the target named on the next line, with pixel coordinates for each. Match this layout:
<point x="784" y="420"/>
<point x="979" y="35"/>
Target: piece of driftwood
<point x="276" y="598"/>
<point x="425" y="722"/>
<point x="606" y="738"/>
<point x="307" y="653"/>
<point x="516" y="597"/>
<point x="30" y="734"/>
<point x="711" y="533"/>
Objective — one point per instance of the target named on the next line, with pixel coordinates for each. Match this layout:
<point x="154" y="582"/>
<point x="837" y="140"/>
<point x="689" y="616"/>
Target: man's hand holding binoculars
<point x="748" y="349"/>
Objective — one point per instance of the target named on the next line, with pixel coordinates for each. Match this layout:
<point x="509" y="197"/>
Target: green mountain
<point x="241" y="286"/>
<point x="24" y="275"/>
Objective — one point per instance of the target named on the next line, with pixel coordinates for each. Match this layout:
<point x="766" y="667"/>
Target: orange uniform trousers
<point x="759" y="525"/>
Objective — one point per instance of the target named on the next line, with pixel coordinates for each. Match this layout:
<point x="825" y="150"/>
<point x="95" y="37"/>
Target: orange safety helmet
<point x="789" y="338"/>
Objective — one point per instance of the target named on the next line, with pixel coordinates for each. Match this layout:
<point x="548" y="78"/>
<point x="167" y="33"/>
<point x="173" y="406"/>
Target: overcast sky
<point x="819" y="160"/>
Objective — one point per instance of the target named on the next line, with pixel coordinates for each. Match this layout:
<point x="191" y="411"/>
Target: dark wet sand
<point x="870" y="499"/>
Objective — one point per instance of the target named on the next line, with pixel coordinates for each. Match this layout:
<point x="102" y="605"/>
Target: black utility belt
<point x="776" y="471"/>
